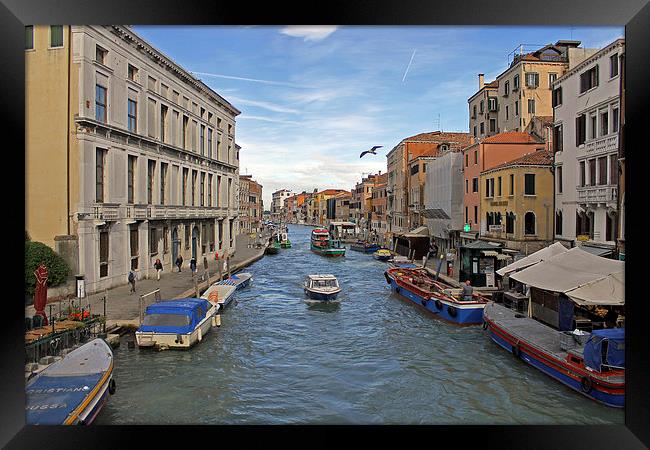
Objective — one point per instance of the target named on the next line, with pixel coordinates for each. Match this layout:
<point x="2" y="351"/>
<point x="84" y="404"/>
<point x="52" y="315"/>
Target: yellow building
<point x="128" y="157"/>
<point x="517" y="203"/>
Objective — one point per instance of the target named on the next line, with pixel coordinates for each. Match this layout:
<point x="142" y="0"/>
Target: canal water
<point x="371" y="358"/>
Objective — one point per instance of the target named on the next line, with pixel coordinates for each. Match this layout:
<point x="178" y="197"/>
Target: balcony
<point x="598" y="194"/>
<point x="106" y="211"/>
<point x="605" y="144"/>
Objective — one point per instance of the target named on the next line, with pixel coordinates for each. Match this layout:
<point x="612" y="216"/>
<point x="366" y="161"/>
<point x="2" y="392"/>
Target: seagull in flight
<point x="372" y="150"/>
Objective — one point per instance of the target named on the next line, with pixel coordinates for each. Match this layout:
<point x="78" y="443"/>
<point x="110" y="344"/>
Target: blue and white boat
<point x="73" y="390"/>
<point x="239" y="281"/>
<point x="176" y="323"/>
<point x="420" y="287"/>
<point x="401" y="261"/>
<point x="220" y="294"/>
<point x="322" y="287"/>
<point x="363" y="246"/>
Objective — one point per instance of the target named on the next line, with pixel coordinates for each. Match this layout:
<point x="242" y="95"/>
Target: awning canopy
<point x="418" y="232"/>
<point x="501" y="257"/>
<point x="598" y="251"/>
<point x="541" y="255"/>
<point x="568" y="271"/>
<point x="490" y="253"/>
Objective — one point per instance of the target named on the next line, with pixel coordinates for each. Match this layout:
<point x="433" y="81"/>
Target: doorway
<point x="195" y="238"/>
<point x="175" y="245"/>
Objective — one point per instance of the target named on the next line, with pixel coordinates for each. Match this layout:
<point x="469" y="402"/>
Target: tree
<point x="37" y="253"/>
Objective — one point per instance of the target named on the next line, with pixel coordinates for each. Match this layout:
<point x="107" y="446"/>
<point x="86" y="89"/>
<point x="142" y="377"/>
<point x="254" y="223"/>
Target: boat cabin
<point x="322" y="282"/>
<point x="175" y="316"/>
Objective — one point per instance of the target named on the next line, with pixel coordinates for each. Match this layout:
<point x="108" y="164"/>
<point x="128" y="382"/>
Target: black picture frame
<point x="633" y="14"/>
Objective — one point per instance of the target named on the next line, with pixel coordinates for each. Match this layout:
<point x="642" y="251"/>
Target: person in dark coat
<point x="159" y="267"/>
<point x="179" y="262"/>
<point x="132" y="281"/>
<point x="193" y="265"/>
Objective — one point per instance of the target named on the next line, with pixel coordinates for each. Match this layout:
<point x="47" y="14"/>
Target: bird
<point x="372" y="150"/>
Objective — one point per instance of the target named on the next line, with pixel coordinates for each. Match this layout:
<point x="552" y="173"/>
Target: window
<point x="210" y="191"/>
<point x="132" y="72"/>
<point x="193" y="191"/>
<point x="531" y="106"/>
<point x="475" y="214"/>
<point x="229" y="129"/>
<point x="512" y="185"/>
<point x="466" y="191"/>
<point x="506" y="90"/>
<point x="482" y="128"/>
<point x="209" y="143"/>
<point x="100" y="103"/>
<point x="475" y="157"/>
<point x="133" y="241"/>
<point x="551" y="78"/>
<point x="515" y="83"/>
<point x="499" y="187"/>
<point x="613" y="169"/>
<point x="557" y="97"/>
<point x="163" y="121"/>
<point x="202" y="140"/>
<point x="507" y="115"/>
<point x="29" y="37"/>
<point x="593" y="126"/>
<point x="558" y="176"/>
<point x="474" y="130"/>
<point x="151" y="83"/>
<point x="532" y="79"/>
<point x="151" y="116"/>
<point x="165" y="240"/>
<point x="103" y="253"/>
<point x="481" y="108"/>
<point x="202" y="113"/>
<point x="133" y="116"/>
<point x="529" y="184"/>
<point x="56" y="35"/>
<point x="493" y="125"/>
<point x="613" y="65"/>
<point x="151" y="169"/>
<point x="218" y="196"/>
<point x="474" y="112"/>
<point x="581" y="129"/>
<point x="558" y="223"/>
<point x="557" y="138"/>
<point x="615" y="120"/>
<point x="220" y="225"/>
<point x="100" y="55"/>
<point x="474" y="184"/>
<point x="153" y="241"/>
<point x="184" y="134"/>
<point x="582" y="173"/>
<point x="589" y="79"/>
<point x="131" y="179"/>
<point x="175" y="97"/>
<point x="202" y="197"/>
<point x="492" y="104"/>
<point x="466" y="216"/>
<point x="100" y="160"/>
<point x="510" y="222"/>
<point x="529" y="223"/>
<point x="184" y="188"/>
<point x="164" y="90"/>
<point x="219" y="122"/>
<point x="592" y="172"/>
<point x="163" y="182"/>
<point x="516" y="108"/>
<point x="602" y="170"/>
<point x="193" y="135"/>
<point x="466" y="160"/>
<point x="604" y="123"/>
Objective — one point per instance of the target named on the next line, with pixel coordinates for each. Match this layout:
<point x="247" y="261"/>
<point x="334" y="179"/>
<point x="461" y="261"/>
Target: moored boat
<point x="176" y="323"/>
<point x="321" y="244"/>
<point x="238" y="280"/>
<point x="383" y="254"/>
<point x="365" y="247"/>
<point x="595" y="369"/>
<point x="72" y="391"/>
<point x="220" y="294"/>
<point x="322" y="287"/>
<point x="273" y="248"/>
<point x="439" y="298"/>
<point x="284" y="240"/>
<point x="401" y="261"/>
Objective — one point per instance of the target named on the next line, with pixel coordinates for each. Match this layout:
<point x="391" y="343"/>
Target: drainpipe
<point x="68" y="129"/>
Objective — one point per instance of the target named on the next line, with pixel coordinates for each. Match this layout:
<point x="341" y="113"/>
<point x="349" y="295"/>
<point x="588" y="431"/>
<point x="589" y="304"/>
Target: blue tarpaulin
<point x="565" y="312"/>
<point x="175" y="316"/>
<point x="614" y="339"/>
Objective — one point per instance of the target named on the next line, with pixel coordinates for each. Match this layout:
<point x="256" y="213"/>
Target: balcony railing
<point x="597" y="194"/>
<point x="112" y="211"/>
<point x="605" y="144"/>
<point x="106" y="211"/>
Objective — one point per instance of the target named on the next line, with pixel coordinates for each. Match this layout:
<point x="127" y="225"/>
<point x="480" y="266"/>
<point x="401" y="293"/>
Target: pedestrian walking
<point x="193" y="266"/>
<point x="179" y="262"/>
<point x="159" y="267"/>
<point x="132" y="281"/>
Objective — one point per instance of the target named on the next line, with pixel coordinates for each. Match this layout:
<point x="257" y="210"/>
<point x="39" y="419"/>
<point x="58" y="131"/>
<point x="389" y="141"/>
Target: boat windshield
<point x="324" y="283"/>
<point x="166" y="320"/>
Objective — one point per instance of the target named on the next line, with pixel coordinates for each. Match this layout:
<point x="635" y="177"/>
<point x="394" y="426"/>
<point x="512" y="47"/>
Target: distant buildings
<point x="277" y="204"/>
<point x="251" y="205"/>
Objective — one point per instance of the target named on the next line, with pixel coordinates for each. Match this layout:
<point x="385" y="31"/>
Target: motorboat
<point x="323" y="245"/>
<point x="383" y="254"/>
<point x="322" y="287"/>
<point x="221" y="293"/>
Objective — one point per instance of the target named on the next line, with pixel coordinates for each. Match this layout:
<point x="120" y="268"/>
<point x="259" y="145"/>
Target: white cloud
<point x="265" y="105"/>
<point x="309" y="33"/>
<point x="268" y="119"/>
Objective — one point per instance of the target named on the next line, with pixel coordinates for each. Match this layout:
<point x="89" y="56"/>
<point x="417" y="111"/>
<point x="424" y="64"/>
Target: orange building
<point x="487" y="154"/>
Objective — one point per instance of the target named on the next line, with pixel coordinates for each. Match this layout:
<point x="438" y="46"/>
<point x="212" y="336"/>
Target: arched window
<point x="510" y="222"/>
<point x="529" y="223"/>
<point x="558" y="223"/>
<point x="498" y="219"/>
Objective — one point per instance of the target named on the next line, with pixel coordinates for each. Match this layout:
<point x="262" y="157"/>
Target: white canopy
<point x="542" y="255"/>
<point x="609" y="290"/>
<point x="418" y="232"/>
<point x="591" y="279"/>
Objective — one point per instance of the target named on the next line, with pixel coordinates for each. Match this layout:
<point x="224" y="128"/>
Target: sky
<point x="314" y="97"/>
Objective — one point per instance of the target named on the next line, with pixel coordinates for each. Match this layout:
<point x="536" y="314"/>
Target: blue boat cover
<point x="615" y="356"/>
<point x="175" y="316"/>
<point x="50" y="400"/>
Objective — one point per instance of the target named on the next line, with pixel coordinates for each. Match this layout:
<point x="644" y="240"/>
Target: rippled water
<point x="372" y="358"/>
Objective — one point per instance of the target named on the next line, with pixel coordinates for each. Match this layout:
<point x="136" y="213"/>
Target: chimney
<point x="481" y="81"/>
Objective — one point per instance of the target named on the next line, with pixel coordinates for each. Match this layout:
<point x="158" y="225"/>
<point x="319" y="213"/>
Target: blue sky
<point x="313" y="98"/>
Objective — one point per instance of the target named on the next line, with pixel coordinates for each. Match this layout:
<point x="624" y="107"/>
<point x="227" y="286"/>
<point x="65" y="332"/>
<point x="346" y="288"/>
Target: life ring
<point x="485" y="325"/>
<point x="452" y="311"/>
<point x="438" y="304"/>
<point x="111" y="387"/>
<point x="387" y="277"/>
<point x="586" y="384"/>
<point x="516" y="351"/>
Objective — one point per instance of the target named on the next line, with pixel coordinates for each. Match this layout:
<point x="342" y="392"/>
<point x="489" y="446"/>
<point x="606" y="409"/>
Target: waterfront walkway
<point x="123" y="307"/>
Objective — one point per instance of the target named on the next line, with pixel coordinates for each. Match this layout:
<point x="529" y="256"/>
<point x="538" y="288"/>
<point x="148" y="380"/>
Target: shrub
<point x="37" y="253"/>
